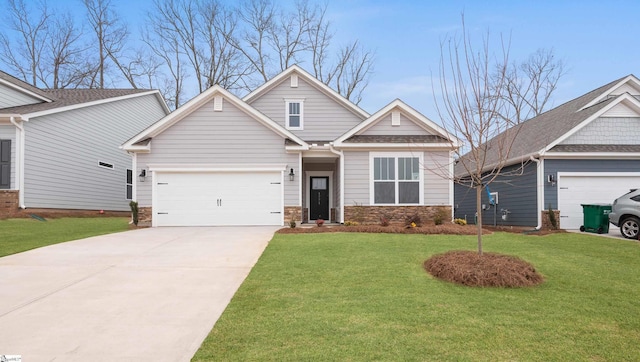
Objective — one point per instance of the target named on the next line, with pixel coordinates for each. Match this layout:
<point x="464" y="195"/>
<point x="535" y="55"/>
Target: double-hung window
<point x="294" y="114"/>
<point x="396" y="179"/>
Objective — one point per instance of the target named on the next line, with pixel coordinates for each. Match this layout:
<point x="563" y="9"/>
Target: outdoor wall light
<point x="142" y="175"/>
<point x="291" y="175"/>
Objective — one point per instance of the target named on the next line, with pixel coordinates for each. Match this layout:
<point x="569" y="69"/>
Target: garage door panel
<point x="574" y="190"/>
<point x="211" y="199"/>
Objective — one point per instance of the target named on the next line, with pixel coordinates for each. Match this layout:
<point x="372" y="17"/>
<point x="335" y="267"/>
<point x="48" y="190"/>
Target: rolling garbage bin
<point x="596" y="218"/>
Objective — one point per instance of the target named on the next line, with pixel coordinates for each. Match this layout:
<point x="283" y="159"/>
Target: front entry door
<point x="319" y="198"/>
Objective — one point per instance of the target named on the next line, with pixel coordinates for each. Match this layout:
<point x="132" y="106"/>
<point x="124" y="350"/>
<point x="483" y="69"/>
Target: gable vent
<point x="395" y="118"/>
<point x="294" y="81"/>
<point x="217" y="104"/>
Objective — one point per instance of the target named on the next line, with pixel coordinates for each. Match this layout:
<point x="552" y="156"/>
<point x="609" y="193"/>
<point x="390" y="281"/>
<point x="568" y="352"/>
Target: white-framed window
<point x="129" y="184"/>
<point x="294" y="114"/>
<point x="396" y="179"/>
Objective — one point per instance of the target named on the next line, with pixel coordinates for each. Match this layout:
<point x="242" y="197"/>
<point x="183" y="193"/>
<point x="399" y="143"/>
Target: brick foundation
<point x="144" y="216"/>
<point x="9" y="203"/>
<point x="546" y="224"/>
<point x="395" y="214"/>
<point x="292" y="213"/>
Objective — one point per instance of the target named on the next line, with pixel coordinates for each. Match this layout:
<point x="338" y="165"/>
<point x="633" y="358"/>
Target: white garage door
<point x="217" y="198"/>
<point x="574" y="190"/>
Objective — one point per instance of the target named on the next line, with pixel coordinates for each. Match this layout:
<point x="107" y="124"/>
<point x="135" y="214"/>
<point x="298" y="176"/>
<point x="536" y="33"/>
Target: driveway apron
<point x="141" y="295"/>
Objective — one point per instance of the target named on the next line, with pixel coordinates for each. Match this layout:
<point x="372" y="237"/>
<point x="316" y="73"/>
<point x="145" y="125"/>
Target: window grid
<point x="403" y="189"/>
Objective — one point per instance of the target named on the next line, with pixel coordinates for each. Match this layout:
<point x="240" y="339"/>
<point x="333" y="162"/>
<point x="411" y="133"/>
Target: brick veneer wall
<point x="546" y="224"/>
<point x="9" y="203"/>
<point x="395" y="214"/>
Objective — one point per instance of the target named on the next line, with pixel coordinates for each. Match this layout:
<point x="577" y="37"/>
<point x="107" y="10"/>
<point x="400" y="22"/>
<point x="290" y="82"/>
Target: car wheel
<point x="629" y="227"/>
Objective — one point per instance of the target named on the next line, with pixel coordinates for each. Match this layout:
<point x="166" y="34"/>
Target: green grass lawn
<point x="363" y="297"/>
<point x="18" y="235"/>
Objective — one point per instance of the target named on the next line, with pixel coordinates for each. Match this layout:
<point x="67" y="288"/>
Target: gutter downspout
<point x="341" y="155"/>
<point x="540" y="189"/>
<point x="20" y="161"/>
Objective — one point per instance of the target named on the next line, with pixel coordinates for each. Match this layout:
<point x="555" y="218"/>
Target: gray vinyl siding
<point x="10" y="97"/>
<point x="384" y="128"/>
<point x="9" y="133"/>
<point x="230" y="137"/>
<point x="518" y="194"/>
<point x="62" y="152"/>
<point x="356" y="178"/>
<point x="323" y="118"/>
<point x="552" y="167"/>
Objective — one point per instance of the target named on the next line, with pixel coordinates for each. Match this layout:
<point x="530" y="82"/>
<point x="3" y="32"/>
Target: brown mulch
<point x="487" y="270"/>
<point x="449" y="229"/>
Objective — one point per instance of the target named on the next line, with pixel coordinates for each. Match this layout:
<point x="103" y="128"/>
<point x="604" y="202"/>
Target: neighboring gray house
<point x="59" y="149"/>
<point x="291" y="149"/>
<point x="583" y="152"/>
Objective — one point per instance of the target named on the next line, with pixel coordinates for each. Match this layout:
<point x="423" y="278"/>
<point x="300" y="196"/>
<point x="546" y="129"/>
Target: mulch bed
<point x="449" y="229"/>
<point x="487" y="270"/>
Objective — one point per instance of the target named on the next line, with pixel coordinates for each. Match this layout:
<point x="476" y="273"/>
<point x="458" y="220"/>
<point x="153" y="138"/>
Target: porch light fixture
<point x="291" y="175"/>
<point x="142" y="175"/>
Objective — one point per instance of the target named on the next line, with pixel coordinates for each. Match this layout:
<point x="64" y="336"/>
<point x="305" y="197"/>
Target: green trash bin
<point x="595" y="218"/>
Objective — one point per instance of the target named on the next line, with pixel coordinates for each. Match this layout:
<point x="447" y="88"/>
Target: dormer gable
<point x="15" y="93"/>
<point x="629" y="84"/>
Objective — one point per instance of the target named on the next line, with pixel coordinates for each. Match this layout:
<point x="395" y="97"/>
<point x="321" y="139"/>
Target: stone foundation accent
<point x="292" y="213"/>
<point x="144" y="216"/>
<point x="395" y="214"/>
<point x="9" y="203"/>
<point x="546" y="224"/>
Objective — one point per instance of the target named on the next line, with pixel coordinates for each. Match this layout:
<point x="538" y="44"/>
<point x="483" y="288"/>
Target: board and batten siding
<point x="357" y="178"/>
<point x="552" y="167"/>
<point x="517" y="193"/>
<point x="62" y="152"/>
<point x="10" y="97"/>
<point x="384" y="128"/>
<point x="608" y="131"/>
<point x="230" y="137"/>
<point x="324" y="119"/>
<point x="8" y="132"/>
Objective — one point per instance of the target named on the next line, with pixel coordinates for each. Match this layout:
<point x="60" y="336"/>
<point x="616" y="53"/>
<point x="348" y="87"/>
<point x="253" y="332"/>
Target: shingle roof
<point x="537" y="133"/>
<point x="596" y="148"/>
<point x="69" y="97"/>
<point x="396" y="139"/>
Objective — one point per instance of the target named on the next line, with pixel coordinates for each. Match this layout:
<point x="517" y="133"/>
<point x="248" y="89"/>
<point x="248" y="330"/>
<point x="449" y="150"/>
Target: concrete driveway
<point x="141" y="295"/>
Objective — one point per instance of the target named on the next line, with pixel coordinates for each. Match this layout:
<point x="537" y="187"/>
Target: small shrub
<point x="462" y="222"/>
<point x="319" y="222"/>
<point x="384" y="220"/>
<point x="439" y="216"/>
<point x="351" y="223"/>
<point x="413" y="220"/>
<point x="552" y="218"/>
<point x="292" y="224"/>
<point x="134" y="212"/>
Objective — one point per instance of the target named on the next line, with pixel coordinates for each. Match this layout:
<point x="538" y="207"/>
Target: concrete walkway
<point x="141" y="295"/>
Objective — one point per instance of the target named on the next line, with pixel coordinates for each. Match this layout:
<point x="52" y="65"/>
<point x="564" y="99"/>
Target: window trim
<point x="396" y="156"/>
<point x="286" y="110"/>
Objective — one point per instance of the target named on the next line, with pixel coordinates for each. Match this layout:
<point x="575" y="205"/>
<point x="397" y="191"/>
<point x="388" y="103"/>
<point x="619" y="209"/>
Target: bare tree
<point x="350" y="75"/>
<point x="111" y="34"/>
<point x="30" y="25"/>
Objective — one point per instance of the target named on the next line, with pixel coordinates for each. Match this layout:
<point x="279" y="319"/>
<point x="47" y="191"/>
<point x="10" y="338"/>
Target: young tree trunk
<point x="479" y="217"/>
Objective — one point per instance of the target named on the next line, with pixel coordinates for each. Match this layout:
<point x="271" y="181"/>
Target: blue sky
<point x="597" y="40"/>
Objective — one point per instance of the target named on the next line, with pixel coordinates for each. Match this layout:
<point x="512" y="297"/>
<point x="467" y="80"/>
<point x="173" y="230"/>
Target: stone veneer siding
<point x="292" y="212"/>
<point x="144" y="216"/>
<point x="9" y="203"/>
<point x="395" y="214"/>
<point x="546" y="223"/>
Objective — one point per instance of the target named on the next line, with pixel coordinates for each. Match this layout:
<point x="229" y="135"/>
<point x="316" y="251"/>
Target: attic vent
<point x="217" y="104"/>
<point x="395" y="118"/>
<point x="105" y="165"/>
<point x="294" y="81"/>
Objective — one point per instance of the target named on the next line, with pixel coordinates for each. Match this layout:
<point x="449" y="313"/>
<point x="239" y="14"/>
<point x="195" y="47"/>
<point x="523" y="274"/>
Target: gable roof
<point x="544" y="131"/>
<point x="142" y="140"/>
<point x="24" y="87"/>
<point x="440" y="135"/>
<point x="295" y="69"/>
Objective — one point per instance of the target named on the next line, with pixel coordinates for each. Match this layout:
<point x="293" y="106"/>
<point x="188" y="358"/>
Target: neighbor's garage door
<point x="574" y="190"/>
<point x="216" y="198"/>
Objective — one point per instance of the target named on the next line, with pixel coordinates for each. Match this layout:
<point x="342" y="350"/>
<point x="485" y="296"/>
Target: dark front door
<point x="319" y="198"/>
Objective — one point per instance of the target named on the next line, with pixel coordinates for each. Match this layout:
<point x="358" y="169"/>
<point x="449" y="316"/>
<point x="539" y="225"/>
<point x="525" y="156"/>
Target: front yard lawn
<point x="18" y="235"/>
<point x="362" y="297"/>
